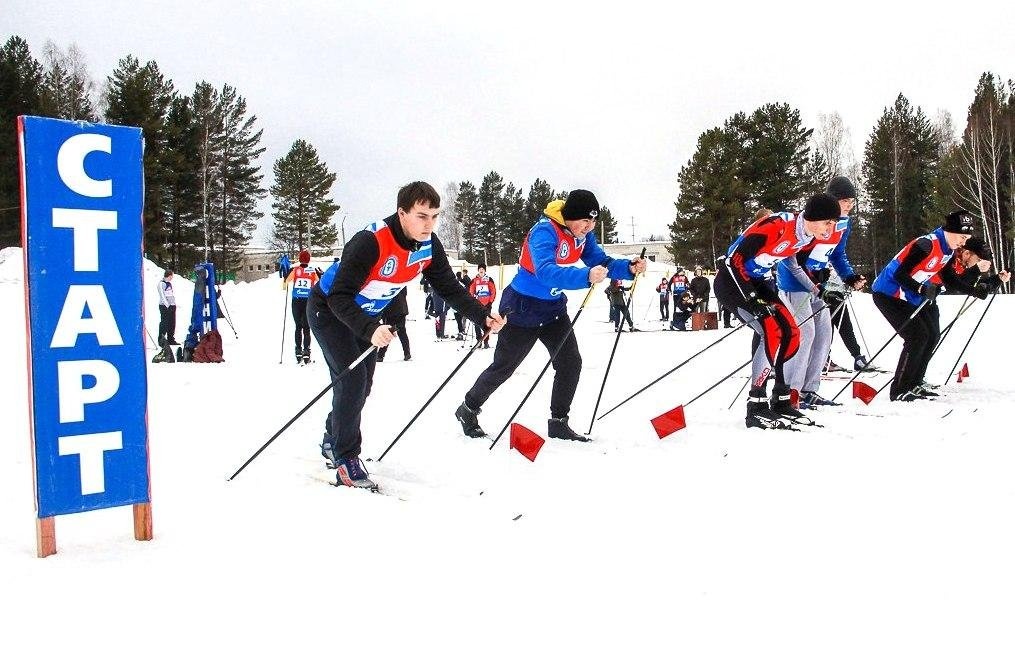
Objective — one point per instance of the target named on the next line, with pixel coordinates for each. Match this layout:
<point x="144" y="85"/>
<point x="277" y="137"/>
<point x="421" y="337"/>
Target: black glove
<point x="930" y="290"/>
<point x="760" y="309"/>
<point x="833" y="297"/>
<point x="981" y="292"/>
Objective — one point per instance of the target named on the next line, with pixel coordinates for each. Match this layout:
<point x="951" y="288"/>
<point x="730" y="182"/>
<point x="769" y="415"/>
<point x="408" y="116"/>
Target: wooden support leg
<point x="45" y="536"/>
<point x="143" y="521"/>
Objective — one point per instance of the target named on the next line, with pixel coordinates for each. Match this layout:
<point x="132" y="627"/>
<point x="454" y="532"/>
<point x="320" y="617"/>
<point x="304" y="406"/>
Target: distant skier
<point x="615" y="291"/>
<point x="377" y="263"/>
<point x="559" y="253"/>
<point x="745" y="283"/>
<point x="663" y="290"/>
<point x="303" y="277"/>
<point x="484" y="290"/>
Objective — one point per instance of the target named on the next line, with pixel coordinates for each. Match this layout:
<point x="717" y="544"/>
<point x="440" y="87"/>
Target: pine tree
<point x="207" y="119"/>
<point x="711" y="204"/>
<point x="20" y="87"/>
<point x="900" y="160"/>
<point x="67" y="86"/>
<point x="449" y="229"/>
<point x="182" y="197"/>
<point x="466" y="206"/>
<point x="778" y="163"/>
<point x="606" y="226"/>
<point x="302" y="207"/>
<point x="487" y="217"/>
<point x="235" y="207"/>
<point x="140" y="96"/>
<point x="540" y="195"/>
<point x="513" y="223"/>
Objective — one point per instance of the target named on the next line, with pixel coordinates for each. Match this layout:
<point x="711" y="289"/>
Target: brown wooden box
<point x="701" y="321"/>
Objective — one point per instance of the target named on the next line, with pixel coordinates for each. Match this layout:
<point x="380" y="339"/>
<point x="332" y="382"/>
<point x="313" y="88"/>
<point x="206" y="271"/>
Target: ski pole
<point x="542" y="372"/>
<point x="317" y="397"/>
<point x="154" y="342"/>
<point x="982" y="315"/>
<point x="616" y="341"/>
<point x="856" y="321"/>
<point x="226" y="316"/>
<point x="944" y="333"/>
<point x="439" y="389"/>
<point x="285" y="314"/>
<point x="871" y="360"/>
<point x="670" y="372"/>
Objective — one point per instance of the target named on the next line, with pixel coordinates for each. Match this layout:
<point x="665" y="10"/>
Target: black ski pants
<point x="340" y="347"/>
<point x="919" y="337"/>
<point x="514" y="343"/>
<point x="664" y="308"/>
<point x="302" y="332"/>
<point x="167" y="324"/>
<point x="623" y="314"/>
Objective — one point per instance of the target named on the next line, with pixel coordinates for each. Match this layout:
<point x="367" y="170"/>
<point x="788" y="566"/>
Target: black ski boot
<point x="470" y="421"/>
<point x="306" y="356"/>
<point x="759" y="415"/>
<point x="557" y="428"/>
<point x="782" y="406"/>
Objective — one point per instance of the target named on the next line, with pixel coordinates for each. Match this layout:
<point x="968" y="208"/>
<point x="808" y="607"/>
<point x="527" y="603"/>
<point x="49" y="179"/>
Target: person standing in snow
<point x="303" y="277"/>
<point x="167" y="310"/>
<point x="559" y="253"/>
<point x="701" y="289"/>
<point x="663" y="289"/>
<point x="615" y="292"/>
<point x="377" y="263"/>
<point x="485" y="291"/>
<point x="745" y="283"/>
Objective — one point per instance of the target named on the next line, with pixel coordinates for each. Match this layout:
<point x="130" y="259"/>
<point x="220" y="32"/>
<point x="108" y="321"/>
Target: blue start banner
<point x="82" y="188"/>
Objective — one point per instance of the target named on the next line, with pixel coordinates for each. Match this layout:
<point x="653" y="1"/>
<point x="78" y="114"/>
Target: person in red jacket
<point x="485" y="291"/>
<point x="303" y="277"/>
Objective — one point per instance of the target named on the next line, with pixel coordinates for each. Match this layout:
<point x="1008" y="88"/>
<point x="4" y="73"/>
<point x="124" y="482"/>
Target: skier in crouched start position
<point x="559" y="253"/>
<point x="745" y="283"/>
<point x="377" y="263"/>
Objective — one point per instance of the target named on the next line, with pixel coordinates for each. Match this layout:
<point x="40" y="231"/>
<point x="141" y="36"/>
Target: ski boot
<point x="813" y="400"/>
<point x="306" y="356"/>
<point x="351" y="473"/>
<point x="557" y="428"/>
<point x="759" y="415"/>
<point x="781" y="404"/>
<point x="470" y="421"/>
<point x="860" y="363"/>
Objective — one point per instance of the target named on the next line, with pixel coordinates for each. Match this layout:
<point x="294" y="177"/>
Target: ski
<point x="766" y="423"/>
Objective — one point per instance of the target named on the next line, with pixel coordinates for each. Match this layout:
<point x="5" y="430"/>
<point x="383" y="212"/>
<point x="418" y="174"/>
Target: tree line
<point x="914" y="170"/>
<point x="203" y="180"/>
<point x="488" y="224"/>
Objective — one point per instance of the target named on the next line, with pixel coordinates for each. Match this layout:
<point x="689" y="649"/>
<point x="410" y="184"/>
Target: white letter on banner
<point x="90" y="448"/>
<point x="72" y="394"/>
<point x="86" y="225"/>
<point x="70" y="162"/>
<point x="72" y="323"/>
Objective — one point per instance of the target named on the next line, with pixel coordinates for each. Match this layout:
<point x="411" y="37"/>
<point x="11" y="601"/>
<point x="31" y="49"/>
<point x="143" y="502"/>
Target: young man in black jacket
<point x="377" y="263"/>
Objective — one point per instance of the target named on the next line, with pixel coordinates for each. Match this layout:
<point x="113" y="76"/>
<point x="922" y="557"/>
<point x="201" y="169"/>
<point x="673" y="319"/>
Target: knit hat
<point x="304" y="257"/>
<point x="958" y="222"/>
<point x="821" y="207"/>
<point x="580" y="204"/>
<point x="977" y="245"/>
<point x="841" y="188"/>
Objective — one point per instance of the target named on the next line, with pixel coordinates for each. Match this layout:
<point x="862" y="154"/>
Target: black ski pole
<point x="901" y="327"/>
<point x="966" y="305"/>
<point x="154" y="342"/>
<point x="285" y="314"/>
<point x="317" y="397"/>
<point x="435" y="393"/>
<point x="616" y="341"/>
<point x="542" y="372"/>
<point x="229" y="321"/>
<point x="856" y="323"/>
<point x="966" y="346"/>
<point x="669" y="372"/>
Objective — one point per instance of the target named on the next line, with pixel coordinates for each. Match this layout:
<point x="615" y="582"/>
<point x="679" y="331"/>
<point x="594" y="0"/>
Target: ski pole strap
<point x="302" y="411"/>
<point x="871" y="360"/>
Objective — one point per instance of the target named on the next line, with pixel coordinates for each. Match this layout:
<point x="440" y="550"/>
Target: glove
<point x="760" y="309"/>
<point x="930" y="290"/>
<point x="833" y="297"/>
<point x="981" y="292"/>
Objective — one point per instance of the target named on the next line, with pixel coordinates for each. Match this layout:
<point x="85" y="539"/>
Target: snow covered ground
<point x="884" y="534"/>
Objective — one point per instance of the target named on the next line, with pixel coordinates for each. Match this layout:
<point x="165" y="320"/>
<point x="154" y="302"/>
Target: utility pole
<point x="632" y="229"/>
<point x="343" y="229"/>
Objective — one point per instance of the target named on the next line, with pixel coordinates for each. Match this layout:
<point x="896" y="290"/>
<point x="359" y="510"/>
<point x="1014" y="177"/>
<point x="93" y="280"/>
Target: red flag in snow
<point x="526" y="441"/>
<point x="959" y="380"/>
<point x="865" y="392"/>
<point x="965" y="370"/>
<point x="670" y="422"/>
<point x="794" y="398"/>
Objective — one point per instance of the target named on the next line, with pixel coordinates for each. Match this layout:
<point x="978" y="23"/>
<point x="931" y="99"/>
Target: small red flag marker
<point x="864" y="392"/>
<point x="525" y="441"/>
<point x="670" y="422"/>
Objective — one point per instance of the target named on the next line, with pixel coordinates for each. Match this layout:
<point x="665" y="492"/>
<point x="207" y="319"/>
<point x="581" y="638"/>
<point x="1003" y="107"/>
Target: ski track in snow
<point x="886" y="532"/>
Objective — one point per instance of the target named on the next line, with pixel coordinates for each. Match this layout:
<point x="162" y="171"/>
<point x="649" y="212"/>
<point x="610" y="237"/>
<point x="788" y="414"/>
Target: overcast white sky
<point x="609" y="97"/>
